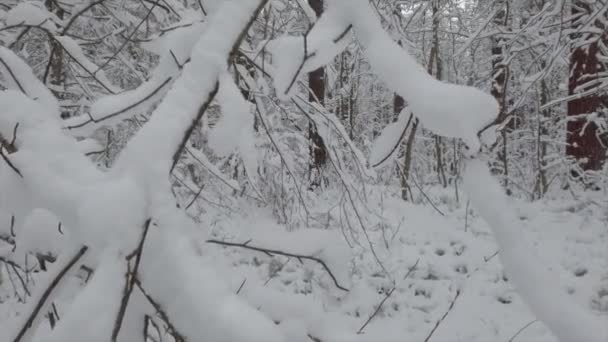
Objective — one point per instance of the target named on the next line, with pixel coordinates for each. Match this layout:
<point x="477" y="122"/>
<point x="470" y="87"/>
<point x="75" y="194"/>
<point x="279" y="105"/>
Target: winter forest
<point x="304" y="170"/>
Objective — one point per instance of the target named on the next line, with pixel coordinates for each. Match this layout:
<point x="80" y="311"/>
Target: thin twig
<point x="130" y="281"/>
<point x="162" y="313"/>
<point x="9" y="163"/>
<point x="241" y="287"/>
<point x="397" y="143"/>
<point x="522" y="329"/>
<point x="428" y="338"/>
<point x="411" y="269"/>
<point x="419" y="189"/>
<point x="122" y="110"/>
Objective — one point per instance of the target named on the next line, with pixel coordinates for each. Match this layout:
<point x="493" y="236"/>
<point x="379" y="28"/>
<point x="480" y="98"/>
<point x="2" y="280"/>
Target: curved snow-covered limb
<point x="461" y="113"/>
<point x="111" y="110"/>
<point x="151" y="157"/>
<point x="446" y="109"/>
<point x="175" y="47"/>
<point x="19" y="76"/>
<point x="203" y="305"/>
<point x="536" y="284"/>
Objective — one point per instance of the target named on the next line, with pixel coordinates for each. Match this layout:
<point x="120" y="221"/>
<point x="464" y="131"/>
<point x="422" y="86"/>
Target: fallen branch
<point x="273" y="252"/>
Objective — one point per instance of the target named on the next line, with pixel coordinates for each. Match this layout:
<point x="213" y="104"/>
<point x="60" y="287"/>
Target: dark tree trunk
<point x="583" y="142"/>
<point x="316" y="82"/>
<point x="500" y="79"/>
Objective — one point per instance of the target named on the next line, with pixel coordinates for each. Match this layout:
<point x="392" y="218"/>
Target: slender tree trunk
<point x="499" y="86"/>
<point x="434" y="63"/>
<point x="316" y="82"/>
<point x="583" y="142"/>
<point x="398" y="106"/>
<point x="55" y="73"/>
<point x="407" y="161"/>
<point x="436" y="59"/>
<point x="541" y="144"/>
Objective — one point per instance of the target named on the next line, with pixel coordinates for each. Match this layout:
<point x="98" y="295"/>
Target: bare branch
<point x="46" y="294"/>
<point x="428" y="338"/>
<point x="272" y="252"/>
<point x="162" y="313"/>
<point x="130" y="281"/>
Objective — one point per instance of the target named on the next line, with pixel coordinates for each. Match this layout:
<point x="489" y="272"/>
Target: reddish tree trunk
<point x="582" y="138"/>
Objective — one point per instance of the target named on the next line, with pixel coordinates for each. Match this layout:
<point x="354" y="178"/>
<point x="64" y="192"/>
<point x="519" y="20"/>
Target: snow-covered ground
<point x="427" y="258"/>
<point x="451" y="253"/>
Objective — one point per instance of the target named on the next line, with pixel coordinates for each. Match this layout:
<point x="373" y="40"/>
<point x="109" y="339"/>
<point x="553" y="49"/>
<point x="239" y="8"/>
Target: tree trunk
<point x="55" y="73"/>
<point x="316" y="82"/>
<point x="500" y="78"/>
<point x="583" y="142"/>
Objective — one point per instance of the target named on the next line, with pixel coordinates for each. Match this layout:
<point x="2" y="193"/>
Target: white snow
<point x="539" y="286"/>
<point x="19" y="76"/>
<point x="234" y="130"/>
<point x="418" y="257"/>
<point x="32" y="13"/>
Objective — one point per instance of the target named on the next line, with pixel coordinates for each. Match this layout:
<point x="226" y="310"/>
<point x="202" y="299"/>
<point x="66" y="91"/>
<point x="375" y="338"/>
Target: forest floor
<point x="423" y="266"/>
